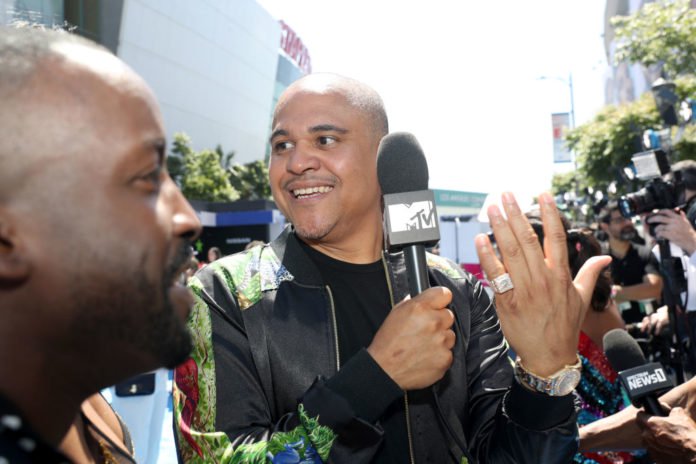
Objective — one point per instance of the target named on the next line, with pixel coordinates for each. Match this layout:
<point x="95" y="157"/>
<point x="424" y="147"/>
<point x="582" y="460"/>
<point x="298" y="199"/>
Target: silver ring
<point x="502" y="283"/>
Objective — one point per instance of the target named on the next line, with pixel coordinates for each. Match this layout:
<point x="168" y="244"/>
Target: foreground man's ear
<point x="15" y="267"/>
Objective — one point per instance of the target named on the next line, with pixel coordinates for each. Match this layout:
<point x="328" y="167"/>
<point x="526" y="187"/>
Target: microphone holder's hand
<point x="414" y="344"/>
<point x="670" y="439"/>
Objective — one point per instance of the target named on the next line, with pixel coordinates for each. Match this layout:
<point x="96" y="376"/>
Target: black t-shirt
<point x="629" y="270"/>
<point x="19" y="444"/>
<point x="361" y="300"/>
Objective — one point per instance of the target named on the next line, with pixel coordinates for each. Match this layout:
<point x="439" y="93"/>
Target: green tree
<point x="660" y="33"/>
<point x="605" y="144"/>
<point x="200" y="174"/>
<point x="251" y="180"/>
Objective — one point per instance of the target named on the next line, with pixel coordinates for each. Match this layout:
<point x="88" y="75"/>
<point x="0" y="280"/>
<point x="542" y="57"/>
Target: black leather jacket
<point x="265" y="344"/>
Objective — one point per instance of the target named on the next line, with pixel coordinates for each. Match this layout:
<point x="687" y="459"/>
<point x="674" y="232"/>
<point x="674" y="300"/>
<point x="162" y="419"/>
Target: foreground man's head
<point x="93" y="232"/>
<point x="326" y="130"/>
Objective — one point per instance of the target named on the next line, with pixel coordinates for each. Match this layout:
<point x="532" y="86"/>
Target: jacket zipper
<point x="335" y="328"/>
<point x="408" y="417"/>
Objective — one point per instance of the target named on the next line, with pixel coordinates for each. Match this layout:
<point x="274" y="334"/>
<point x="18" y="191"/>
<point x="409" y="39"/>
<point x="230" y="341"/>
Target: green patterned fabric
<point x="247" y="276"/>
<point x="443" y="265"/>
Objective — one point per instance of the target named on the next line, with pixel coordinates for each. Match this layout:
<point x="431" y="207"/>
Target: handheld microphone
<point x="409" y="207"/>
<point x="643" y="381"/>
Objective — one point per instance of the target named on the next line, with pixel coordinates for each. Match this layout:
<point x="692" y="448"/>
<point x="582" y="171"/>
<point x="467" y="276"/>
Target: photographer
<point x="634" y="269"/>
<point x="677" y="226"/>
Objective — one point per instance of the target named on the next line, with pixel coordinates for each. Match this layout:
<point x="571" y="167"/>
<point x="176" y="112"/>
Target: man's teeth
<point x="311" y="190"/>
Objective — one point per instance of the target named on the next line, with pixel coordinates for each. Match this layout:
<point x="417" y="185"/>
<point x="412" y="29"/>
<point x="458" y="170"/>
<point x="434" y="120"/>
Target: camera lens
<point x="642" y="201"/>
<point x="627" y="207"/>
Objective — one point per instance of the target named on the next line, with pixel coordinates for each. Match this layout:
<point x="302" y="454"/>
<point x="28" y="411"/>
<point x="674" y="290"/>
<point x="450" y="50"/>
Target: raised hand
<point x="542" y="315"/>
<point x="414" y="344"/>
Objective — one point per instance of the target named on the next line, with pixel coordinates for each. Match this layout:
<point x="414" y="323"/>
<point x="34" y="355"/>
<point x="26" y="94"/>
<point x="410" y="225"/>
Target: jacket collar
<point x="295" y="259"/>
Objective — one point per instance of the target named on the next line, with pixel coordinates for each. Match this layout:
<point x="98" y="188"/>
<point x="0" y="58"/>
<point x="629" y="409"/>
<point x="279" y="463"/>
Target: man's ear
<point x="14" y="263"/>
<point x="604" y="226"/>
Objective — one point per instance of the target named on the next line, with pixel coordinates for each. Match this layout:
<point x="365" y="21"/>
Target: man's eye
<point x="282" y="146"/>
<point x="153" y="178"/>
<point x="326" y="140"/>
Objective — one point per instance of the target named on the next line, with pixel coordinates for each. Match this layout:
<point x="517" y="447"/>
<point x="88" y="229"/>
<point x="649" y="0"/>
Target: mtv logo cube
<point x="411" y="218"/>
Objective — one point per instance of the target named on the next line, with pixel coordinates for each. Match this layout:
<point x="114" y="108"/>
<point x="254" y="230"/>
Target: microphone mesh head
<point x="622" y="350"/>
<point x="401" y="164"/>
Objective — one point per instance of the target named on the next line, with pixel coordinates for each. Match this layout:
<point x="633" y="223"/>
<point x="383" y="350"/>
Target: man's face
<point x="111" y="230"/>
<point x="323" y="166"/>
<point x="619" y="227"/>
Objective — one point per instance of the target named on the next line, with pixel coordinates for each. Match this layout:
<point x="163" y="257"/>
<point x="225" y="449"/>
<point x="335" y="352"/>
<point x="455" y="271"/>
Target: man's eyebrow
<point x="157" y="144"/>
<point x="278" y="133"/>
<point x="327" y="128"/>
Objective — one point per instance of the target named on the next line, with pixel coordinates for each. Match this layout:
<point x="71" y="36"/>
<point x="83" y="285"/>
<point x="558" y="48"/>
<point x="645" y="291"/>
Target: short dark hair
<point x="358" y="94"/>
<point x="605" y="213"/>
<point x="687" y="168"/>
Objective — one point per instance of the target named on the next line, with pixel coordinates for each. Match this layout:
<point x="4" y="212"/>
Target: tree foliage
<point x="659" y="33"/>
<point x="199" y="173"/>
<point x="251" y="180"/>
<point x="604" y="145"/>
<point x="211" y="175"/>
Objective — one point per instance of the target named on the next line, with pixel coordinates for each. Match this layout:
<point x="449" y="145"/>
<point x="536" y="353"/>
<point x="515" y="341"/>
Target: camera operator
<point x="677" y="226"/>
<point x="634" y="269"/>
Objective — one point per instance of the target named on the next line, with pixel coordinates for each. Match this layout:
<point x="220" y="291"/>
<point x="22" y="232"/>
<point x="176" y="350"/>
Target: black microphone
<point x="410" y="217"/>
<point x="643" y="381"/>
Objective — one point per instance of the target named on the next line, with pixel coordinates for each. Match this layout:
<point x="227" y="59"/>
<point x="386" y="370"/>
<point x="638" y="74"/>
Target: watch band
<point x="560" y="383"/>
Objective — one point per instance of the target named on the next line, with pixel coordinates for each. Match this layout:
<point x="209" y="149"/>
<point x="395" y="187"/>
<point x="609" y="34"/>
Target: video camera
<point x="657" y="193"/>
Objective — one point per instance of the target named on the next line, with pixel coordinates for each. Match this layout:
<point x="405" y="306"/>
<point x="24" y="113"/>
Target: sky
<point x="463" y="76"/>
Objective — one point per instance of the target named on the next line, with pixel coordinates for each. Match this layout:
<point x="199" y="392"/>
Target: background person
<point x="214" y="254"/>
<point x="678" y="228"/>
<point x="82" y="181"/>
<point x="634" y="269"/>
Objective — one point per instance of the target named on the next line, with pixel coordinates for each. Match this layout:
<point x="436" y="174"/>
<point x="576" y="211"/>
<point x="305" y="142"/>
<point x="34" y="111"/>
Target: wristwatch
<point x="560" y="383"/>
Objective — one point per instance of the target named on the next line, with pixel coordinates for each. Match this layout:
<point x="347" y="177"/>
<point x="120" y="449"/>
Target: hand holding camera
<point x="675" y="227"/>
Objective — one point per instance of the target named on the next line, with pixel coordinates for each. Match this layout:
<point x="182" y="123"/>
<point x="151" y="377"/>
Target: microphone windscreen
<point x="401" y="164"/>
<point x="622" y="350"/>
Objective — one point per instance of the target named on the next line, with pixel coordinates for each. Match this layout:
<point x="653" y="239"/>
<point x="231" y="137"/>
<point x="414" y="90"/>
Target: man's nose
<point x="303" y="158"/>
<point x="184" y="218"/>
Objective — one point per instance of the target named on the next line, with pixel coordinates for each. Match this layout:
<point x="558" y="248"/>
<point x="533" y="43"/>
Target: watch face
<point x="567" y="382"/>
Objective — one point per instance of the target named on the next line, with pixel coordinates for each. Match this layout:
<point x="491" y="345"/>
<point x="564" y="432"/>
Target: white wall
<point x="212" y="65"/>
<point x="450" y="236"/>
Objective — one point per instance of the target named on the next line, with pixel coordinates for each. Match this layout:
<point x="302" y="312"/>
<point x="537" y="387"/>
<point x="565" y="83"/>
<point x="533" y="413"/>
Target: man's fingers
<point x="555" y="245"/>
<point x="510" y="249"/>
<point x="527" y="239"/>
<point x="588" y="274"/>
<point x="490" y="263"/>
<point x="434" y="297"/>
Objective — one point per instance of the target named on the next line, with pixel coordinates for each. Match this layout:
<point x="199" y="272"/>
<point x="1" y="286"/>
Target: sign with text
<point x="560" y="123"/>
<point x="293" y="47"/>
<point x="646" y="379"/>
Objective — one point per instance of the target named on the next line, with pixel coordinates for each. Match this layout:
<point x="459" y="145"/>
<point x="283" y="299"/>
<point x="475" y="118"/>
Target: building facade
<point x="215" y="66"/>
